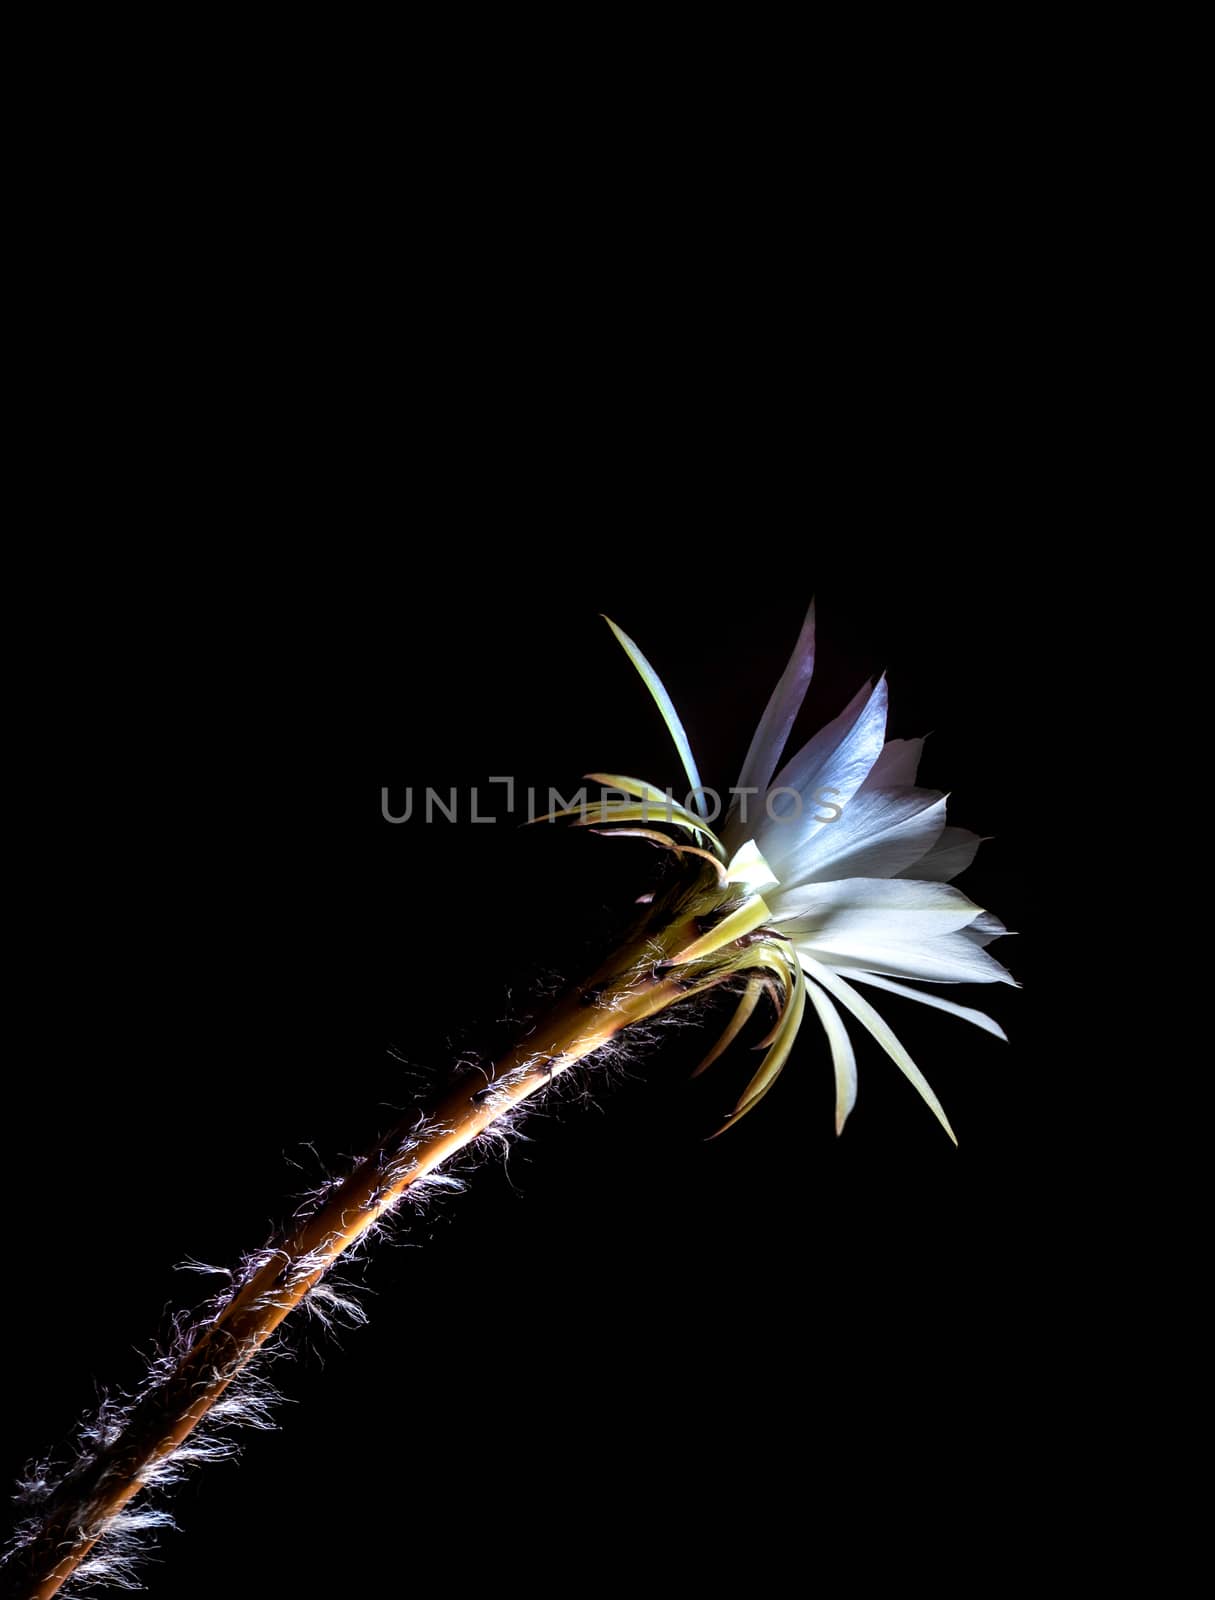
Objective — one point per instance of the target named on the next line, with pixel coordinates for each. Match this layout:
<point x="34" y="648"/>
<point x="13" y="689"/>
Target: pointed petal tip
<point x="667" y="710"/>
<point x="781" y="712"/>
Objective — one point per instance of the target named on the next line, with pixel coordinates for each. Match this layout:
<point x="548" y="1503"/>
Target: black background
<point x="626" y="1332"/>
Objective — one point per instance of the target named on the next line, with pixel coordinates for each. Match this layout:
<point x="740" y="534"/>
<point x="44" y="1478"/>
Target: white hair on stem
<point x="148" y="1440"/>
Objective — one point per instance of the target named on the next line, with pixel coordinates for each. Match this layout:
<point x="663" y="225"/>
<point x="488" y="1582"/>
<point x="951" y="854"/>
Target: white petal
<point x="883" y="907"/>
<point x="979" y="1018"/>
<point x="864" y="1013"/>
<point x="952" y="958"/>
<point x="851" y="734"/>
<point x="952" y="853"/>
<point x="836" y="761"/>
<point x="898" y="926"/>
<point x="843" y="1058"/>
<point x="897" y="765"/>
<point x="777" y="721"/>
<point x="878" y="833"/>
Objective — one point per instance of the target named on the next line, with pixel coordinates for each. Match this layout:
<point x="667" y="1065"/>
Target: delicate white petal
<point x="879" y="832"/>
<point x="851" y="740"/>
<point x="952" y="958"/>
<point x="897" y="765"/>
<point x="856" y="907"/>
<point x="749" y="867"/>
<point x="665" y="704"/>
<point x="864" y="1013"/>
<point x="897" y="926"/>
<point x="777" y="721"/>
<point x="986" y="928"/>
<point x="834" y="764"/>
<point x="843" y="1058"/>
<point x="979" y="1018"/>
<point x="952" y="853"/>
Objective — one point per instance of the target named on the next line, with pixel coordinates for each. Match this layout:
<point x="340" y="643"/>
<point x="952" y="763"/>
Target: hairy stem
<point x="633" y="986"/>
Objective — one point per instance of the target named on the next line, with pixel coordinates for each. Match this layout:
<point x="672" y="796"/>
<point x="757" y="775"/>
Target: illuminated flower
<point x="844" y="867"/>
<point x="830" y="874"/>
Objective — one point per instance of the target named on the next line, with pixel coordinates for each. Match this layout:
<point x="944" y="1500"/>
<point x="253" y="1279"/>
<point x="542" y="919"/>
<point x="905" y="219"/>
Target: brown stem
<point x="77" y="1513"/>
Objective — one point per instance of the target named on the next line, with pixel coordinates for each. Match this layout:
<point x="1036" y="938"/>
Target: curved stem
<point x="78" y="1512"/>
